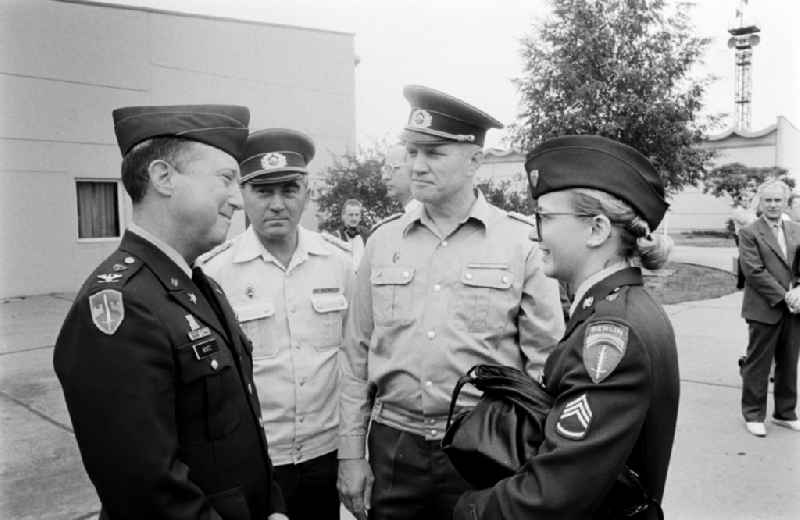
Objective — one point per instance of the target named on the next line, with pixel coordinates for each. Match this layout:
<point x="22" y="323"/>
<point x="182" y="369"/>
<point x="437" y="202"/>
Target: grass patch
<point x="678" y="282"/>
<point x="689" y="238"/>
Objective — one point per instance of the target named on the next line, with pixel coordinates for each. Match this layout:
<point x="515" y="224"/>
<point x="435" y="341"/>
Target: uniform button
<point x="504" y="279"/>
<point x="429" y="383"/>
<point x="406" y="274"/>
<point x="214" y="364"/>
<point x="468" y="276"/>
<point x="437" y="287"/>
<point x="129" y="260"/>
<point x="431" y="334"/>
<point x="433" y="433"/>
<point x="444" y="243"/>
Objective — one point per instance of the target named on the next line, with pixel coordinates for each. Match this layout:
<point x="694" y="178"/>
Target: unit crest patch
<point x="575" y="419"/>
<point x="107" y="310"/>
<point x="604" y="346"/>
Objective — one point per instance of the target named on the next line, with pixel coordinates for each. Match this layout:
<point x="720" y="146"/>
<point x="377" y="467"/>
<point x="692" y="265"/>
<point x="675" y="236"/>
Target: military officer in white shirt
<point x="289" y="287"/>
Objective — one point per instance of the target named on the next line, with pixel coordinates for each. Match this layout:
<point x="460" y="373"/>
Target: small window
<point x="98" y="209"/>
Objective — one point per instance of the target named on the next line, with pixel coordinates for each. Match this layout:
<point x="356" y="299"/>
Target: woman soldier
<point x="614" y="375"/>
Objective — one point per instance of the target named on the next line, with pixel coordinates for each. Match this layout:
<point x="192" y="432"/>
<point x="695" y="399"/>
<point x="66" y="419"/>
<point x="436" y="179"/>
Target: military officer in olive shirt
<point x="289" y="287"/>
<point x="454" y="283"/>
<point x="157" y="375"/>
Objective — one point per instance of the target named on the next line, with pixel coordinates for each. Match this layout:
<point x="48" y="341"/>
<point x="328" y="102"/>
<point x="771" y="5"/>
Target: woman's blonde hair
<point x="636" y="240"/>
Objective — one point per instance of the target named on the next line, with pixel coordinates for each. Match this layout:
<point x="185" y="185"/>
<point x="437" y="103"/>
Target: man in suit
<point x="767" y="250"/>
<point x="156" y="373"/>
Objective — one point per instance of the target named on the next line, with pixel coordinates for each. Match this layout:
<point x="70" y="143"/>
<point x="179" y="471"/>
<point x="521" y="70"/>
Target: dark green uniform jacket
<point x="160" y="393"/>
<point x="614" y="378"/>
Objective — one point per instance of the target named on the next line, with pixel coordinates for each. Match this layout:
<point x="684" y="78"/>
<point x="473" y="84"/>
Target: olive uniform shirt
<point x="426" y="308"/>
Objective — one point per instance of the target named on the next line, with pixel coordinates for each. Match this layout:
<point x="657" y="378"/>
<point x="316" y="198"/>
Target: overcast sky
<point x="470" y="48"/>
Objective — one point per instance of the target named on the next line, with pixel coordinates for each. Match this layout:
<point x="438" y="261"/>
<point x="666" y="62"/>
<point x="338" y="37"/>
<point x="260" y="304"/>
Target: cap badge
<point x="421" y="118"/>
<point x="273" y="160"/>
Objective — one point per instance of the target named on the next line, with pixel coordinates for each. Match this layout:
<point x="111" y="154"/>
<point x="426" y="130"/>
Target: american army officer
<point x="452" y="283"/>
<point x="156" y="373"/>
<point x="614" y="375"/>
<point x="289" y="287"/>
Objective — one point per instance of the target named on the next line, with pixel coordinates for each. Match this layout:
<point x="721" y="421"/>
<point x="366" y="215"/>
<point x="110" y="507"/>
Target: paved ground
<point x="718" y="470"/>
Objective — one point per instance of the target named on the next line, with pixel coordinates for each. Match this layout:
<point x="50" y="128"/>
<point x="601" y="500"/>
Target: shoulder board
<point x="208" y="255"/>
<point x="385" y="221"/>
<point x="341" y="244"/>
<point x="522" y="218"/>
<point x="114" y="272"/>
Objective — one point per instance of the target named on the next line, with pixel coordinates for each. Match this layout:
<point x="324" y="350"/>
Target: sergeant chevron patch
<point x="575" y="419"/>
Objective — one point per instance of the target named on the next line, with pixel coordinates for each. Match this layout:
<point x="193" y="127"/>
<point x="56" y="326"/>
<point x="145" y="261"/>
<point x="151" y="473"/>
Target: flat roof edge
<point x="154" y="10"/>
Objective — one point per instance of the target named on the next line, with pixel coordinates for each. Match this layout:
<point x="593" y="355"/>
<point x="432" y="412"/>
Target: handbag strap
<point x="466" y="378"/>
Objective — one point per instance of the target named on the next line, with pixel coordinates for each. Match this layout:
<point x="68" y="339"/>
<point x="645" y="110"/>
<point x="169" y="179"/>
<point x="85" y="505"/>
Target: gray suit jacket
<point x="768" y="274"/>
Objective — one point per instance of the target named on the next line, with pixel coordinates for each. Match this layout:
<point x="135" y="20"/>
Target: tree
<point x="617" y="68"/>
<point x="507" y="194"/>
<point x="354" y="176"/>
<point x="739" y="181"/>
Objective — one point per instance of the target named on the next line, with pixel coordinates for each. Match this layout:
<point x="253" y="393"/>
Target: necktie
<point x="778" y="230"/>
<point x="200" y="280"/>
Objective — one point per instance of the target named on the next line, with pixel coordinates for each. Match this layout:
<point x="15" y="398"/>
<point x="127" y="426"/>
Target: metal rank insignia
<point x="588" y="302"/>
<point x="109" y="277"/>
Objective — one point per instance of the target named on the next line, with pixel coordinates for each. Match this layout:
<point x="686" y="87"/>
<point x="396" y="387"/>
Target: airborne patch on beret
<point x="604" y="346"/>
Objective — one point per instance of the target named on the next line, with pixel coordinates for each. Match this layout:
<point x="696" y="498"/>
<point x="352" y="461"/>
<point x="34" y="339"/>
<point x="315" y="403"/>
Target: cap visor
<point x="274" y="177"/>
<point x="418" y="137"/>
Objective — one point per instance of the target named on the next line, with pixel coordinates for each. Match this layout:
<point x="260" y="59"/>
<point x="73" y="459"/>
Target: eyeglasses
<point x="537" y="215"/>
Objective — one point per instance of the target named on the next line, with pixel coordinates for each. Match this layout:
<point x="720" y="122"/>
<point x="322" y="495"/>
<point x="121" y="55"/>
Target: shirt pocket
<point x="257" y="320"/>
<point x="210" y="394"/>
<point x="326" y="326"/>
<point x="484" y="294"/>
<point x="392" y="301"/>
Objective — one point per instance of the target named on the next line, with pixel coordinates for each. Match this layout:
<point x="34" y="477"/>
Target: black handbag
<point x="496" y="438"/>
<point x="493" y="440"/>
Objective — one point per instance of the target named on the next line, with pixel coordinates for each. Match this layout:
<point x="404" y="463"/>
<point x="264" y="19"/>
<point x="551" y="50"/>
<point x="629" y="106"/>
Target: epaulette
<point x="338" y="242"/>
<point x="114" y="271"/>
<point x="208" y="255"/>
<point x="522" y="218"/>
<point x="385" y="221"/>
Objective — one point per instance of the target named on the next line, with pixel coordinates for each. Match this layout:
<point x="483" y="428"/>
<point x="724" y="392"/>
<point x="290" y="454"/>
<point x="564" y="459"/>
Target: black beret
<point x="220" y="126"/>
<point x="276" y="155"/>
<point x="592" y="161"/>
<point x="438" y="117"/>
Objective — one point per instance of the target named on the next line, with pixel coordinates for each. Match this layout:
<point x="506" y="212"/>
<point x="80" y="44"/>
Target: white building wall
<point x="64" y="66"/>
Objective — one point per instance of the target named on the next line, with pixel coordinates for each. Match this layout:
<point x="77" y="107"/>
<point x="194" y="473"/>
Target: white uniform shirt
<point x="294" y="316"/>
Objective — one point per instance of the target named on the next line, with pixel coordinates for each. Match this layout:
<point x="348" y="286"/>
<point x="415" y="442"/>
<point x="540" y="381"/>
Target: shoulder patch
<point x="208" y="255"/>
<point x="522" y="218"/>
<point x="338" y="242"/>
<point x="107" y="310"/>
<point x="385" y="221"/>
<point x="604" y="345"/>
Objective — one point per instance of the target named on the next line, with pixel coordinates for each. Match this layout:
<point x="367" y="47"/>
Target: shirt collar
<point x="250" y="247"/>
<point x="480" y="211"/>
<point x="162" y="246"/>
<point x="587" y="284"/>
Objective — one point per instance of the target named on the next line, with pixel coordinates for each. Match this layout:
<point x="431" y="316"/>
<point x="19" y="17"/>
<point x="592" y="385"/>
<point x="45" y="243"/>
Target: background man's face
<point x="275" y="209"/>
<point x="351" y="216"/>
<point x="396" y="174"/>
<point x="772" y="202"/>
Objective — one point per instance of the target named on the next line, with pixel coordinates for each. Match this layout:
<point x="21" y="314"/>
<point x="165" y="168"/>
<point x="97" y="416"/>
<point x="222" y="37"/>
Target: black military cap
<point x="438" y="117"/>
<point x="220" y="126"/>
<point x="592" y="161"/>
<point x="276" y="155"/>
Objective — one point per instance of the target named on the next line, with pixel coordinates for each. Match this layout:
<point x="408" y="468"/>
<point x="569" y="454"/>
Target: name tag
<point x="205" y="348"/>
<point x="200" y="333"/>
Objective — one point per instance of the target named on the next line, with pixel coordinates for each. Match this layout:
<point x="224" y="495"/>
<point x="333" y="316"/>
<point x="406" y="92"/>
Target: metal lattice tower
<point x="743" y="39"/>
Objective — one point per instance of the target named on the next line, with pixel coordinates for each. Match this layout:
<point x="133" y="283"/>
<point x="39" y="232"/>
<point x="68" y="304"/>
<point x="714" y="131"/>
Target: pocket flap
<point x="254" y="311"/>
<point x="329" y="302"/>
<point x="487" y="277"/>
<point x="392" y="275"/>
<point x="203" y="358"/>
